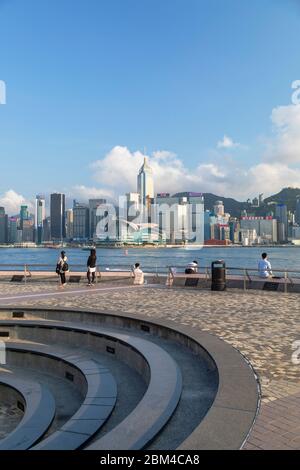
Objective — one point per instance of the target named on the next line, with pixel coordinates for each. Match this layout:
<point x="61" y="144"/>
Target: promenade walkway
<point x="262" y="325"/>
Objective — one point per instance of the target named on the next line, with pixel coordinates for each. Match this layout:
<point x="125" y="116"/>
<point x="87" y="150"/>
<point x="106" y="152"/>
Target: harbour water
<point x="152" y="259"/>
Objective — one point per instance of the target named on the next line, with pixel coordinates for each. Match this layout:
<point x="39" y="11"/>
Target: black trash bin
<point x="218" y="275"/>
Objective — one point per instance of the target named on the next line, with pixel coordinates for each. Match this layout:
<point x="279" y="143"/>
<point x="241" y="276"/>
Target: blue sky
<point x="85" y="76"/>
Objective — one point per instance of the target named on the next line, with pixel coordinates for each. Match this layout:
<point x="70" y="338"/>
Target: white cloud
<point x="279" y="165"/>
<point x="285" y="144"/>
<point x="227" y="143"/>
<point x="12" y="202"/>
<point x="119" y="168"/>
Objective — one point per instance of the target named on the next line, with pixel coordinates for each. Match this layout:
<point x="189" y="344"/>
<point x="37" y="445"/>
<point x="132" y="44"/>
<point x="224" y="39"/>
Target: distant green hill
<point x="286" y="196"/>
<point x="231" y="205"/>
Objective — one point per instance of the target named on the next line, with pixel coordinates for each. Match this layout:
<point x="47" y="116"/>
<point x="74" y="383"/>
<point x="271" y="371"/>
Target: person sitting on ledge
<point x="192" y="268"/>
<point x="264" y="267"/>
<point x="138" y="275"/>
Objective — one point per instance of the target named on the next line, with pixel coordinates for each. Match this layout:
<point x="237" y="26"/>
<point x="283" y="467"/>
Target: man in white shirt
<point x="264" y="267"/>
<point x="138" y="275"/>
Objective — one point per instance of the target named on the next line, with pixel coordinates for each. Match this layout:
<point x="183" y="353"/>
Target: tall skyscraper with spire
<point x="145" y="183"/>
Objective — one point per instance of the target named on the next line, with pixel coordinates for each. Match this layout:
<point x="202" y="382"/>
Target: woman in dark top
<point x="91" y="265"/>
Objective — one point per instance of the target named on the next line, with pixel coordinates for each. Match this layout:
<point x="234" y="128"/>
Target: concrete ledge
<point x="39" y="412"/>
<point x="232" y="415"/>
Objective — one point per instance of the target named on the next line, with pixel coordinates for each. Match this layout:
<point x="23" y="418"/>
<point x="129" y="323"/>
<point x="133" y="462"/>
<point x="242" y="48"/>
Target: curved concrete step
<point x="164" y="378"/>
<point x="99" y="402"/>
<point x="39" y="406"/>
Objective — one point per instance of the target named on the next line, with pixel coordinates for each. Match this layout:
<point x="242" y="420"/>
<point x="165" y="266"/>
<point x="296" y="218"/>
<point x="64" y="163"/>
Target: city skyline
<point x="83" y="100"/>
<point x="143" y="217"/>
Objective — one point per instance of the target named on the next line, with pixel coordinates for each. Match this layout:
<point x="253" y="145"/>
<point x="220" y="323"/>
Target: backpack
<point x="65" y="267"/>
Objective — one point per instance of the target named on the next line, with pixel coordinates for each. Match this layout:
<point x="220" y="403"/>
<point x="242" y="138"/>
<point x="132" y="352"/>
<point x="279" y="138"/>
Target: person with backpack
<point x="62" y="267"/>
<point x="91" y="267"/>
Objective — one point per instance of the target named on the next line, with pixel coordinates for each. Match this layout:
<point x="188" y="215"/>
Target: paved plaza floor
<point x="261" y="325"/>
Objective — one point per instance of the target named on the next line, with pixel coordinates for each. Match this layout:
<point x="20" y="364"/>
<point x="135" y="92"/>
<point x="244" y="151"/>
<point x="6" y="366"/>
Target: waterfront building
<point x="129" y="219"/>
<point x="81" y="222"/>
<point x="265" y="227"/>
<point x="57" y="216"/>
<point x="40" y="215"/>
<point x="248" y="237"/>
<point x="28" y="232"/>
<point x="181" y="217"/>
<point x="296" y="232"/>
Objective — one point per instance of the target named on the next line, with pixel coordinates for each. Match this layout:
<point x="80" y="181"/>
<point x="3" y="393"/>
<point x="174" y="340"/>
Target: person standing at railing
<point x="264" y="267"/>
<point x="62" y="267"/>
<point x="91" y="267"/>
<point x="138" y="275"/>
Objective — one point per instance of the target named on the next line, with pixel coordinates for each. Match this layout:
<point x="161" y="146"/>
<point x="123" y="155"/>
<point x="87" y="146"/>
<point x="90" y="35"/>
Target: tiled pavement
<point x="262" y="325"/>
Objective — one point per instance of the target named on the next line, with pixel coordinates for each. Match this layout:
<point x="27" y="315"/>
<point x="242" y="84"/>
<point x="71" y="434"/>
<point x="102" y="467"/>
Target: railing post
<point x="245" y="280"/>
<point x="285" y="282"/>
<point x="25" y="273"/>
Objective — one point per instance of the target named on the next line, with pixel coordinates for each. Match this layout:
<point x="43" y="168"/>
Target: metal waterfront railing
<point x="247" y="274"/>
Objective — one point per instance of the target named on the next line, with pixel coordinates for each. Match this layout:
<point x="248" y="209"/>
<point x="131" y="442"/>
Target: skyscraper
<point x="282" y="218"/>
<point x="145" y="183"/>
<point x="57" y="216"/>
<point x="3" y="226"/>
<point x="70" y="220"/>
<point x="94" y="219"/>
<point x="40" y="215"/>
<point x="80" y="221"/>
<point x="297" y="215"/>
<point x="23" y="215"/>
